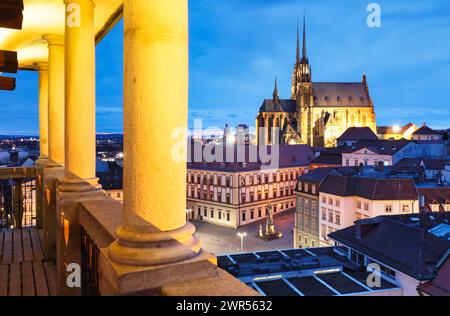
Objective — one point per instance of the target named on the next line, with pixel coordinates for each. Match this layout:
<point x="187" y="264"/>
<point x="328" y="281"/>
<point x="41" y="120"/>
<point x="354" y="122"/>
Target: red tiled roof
<point x="425" y="130"/>
<point x="440" y="286"/>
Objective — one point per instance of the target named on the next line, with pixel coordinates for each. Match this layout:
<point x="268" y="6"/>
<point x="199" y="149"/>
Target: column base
<point x="79" y="185"/>
<point x="139" y="247"/>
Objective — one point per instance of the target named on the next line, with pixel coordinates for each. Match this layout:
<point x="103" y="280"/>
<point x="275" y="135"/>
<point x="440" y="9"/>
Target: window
<point x="337" y="218"/>
<point x="306" y="187"/>
<point x="388" y="208"/>
<point x="205" y="212"/>
<point x="366" y="206"/>
<point x="243" y="198"/>
<point x="259" y="213"/>
<point x="347" y="162"/>
<point x="252" y="214"/>
<point x="356" y="162"/>
<point x="324" y="214"/>
<point x="358" y="205"/>
<point x="313" y="205"/>
<point x="220" y="215"/>
<point x="228" y="198"/>
<point x="228" y="217"/>
<point x="228" y="182"/>
<point x="330" y="216"/>
<point x="212" y="213"/>
<point x="219" y="197"/>
<point x="405" y="208"/>
<point x="324" y="199"/>
<point x="330" y="201"/>
<point x="313" y="189"/>
<point x="324" y="232"/>
<point x="338" y="203"/>
<point x="243" y="216"/>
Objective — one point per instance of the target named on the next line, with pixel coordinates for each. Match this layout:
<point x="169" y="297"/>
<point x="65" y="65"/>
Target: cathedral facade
<point x="317" y="112"/>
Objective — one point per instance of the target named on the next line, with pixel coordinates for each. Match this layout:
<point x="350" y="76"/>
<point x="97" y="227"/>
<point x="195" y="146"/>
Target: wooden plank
<point x="4" y="279"/>
<point x="27" y="246"/>
<point x="37" y="249"/>
<point x="8" y="61"/>
<point x="7" y="83"/>
<point x="27" y="279"/>
<point x="18" y="254"/>
<point x="50" y="272"/>
<point x="11" y="15"/>
<point x="15" y="280"/>
<point x="40" y="279"/>
<point x="7" y="248"/>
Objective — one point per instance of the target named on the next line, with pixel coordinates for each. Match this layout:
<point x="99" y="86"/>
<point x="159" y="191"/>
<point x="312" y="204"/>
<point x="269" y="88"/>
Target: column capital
<point x="53" y="39"/>
<point x="41" y="66"/>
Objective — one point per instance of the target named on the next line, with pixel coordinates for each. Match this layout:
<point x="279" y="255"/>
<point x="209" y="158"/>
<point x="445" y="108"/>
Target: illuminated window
<point x="388" y="208"/>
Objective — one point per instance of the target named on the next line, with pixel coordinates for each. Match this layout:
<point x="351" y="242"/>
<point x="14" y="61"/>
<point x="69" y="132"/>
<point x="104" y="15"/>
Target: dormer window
<point x="327" y="99"/>
<point x="350" y="99"/>
<point x="339" y="99"/>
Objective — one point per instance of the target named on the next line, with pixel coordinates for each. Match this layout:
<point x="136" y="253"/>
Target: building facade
<point x="346" y="199"/>
<point x="235" y="194"/>
<point x="317" y="112"/>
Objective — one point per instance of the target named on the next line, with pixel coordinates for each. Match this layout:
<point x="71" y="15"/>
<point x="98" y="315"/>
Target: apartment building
<point x="346" y="199"/>
<point x="410" y="251"/>
<point x="373" y="153"/>
<point x="235" y="194"/>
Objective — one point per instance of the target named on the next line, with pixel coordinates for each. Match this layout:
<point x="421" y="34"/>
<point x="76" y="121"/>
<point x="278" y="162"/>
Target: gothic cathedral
<point x="318" y="112"/>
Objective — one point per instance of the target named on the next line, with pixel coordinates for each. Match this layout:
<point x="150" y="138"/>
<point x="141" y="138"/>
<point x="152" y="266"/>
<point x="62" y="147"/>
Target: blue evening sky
<point x="237" y="47"/>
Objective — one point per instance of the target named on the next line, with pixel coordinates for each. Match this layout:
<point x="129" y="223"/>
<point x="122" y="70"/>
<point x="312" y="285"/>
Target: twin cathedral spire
<point x="302" y="68"/>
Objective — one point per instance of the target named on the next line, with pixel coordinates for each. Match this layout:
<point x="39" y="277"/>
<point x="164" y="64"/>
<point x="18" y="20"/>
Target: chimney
<point x="364" y="227"/>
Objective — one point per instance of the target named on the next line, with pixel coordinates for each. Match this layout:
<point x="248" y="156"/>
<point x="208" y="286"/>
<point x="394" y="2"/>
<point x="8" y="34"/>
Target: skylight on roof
<point x="441" y="231"/>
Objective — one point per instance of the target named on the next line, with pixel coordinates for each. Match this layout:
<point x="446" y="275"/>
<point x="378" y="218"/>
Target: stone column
<point x="43" y="141"/>
<point x="79" y="183"/>
<point x="43" y="112"/>
<point x="156" y="70"/>
<point x="54" y="168"/>
<point x="55" y="99"/>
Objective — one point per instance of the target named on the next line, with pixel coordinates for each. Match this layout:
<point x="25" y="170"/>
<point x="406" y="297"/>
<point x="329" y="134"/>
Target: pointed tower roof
<point x="304" y="51"/>
<point x="276" y="97"/>
<point x="298" y="44"/>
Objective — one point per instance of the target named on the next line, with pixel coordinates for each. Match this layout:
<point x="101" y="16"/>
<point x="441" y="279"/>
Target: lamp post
<point x="242" y="235"/>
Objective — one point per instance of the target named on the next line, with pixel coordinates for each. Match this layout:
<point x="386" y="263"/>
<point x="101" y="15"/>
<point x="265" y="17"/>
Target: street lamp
<point x="242" y="235"/>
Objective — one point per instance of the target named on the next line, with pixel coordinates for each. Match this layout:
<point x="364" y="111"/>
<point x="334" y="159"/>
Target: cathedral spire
<point x="298" y="44"/>
<point x="276" y="97"/>
<point x="304" y="53"/>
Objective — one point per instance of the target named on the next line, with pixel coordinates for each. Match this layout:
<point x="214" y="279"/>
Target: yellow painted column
<point x="55" y="99"/>
<point x="155" y="105"/>
<point x="80" y="142"/>
<point x="43" y="111"/>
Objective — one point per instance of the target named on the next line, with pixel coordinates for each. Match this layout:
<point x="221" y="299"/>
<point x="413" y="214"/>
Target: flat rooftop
<point x="300" y="272"/>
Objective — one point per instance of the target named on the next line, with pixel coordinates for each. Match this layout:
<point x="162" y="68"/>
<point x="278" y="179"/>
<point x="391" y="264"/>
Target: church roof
<point x="340" y="94"/>
<point x="286" y="105"/>
<point x="326" y="94"/>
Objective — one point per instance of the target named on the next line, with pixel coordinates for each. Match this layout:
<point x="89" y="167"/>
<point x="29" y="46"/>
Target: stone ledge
<point x="224" y="284"/>
<point x="117" y="279"/>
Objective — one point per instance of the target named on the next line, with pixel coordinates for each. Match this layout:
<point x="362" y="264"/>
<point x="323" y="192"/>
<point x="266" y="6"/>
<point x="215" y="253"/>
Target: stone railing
<point x="99" y="219"/>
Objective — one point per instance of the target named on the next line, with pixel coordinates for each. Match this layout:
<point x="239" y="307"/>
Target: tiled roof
<point x="288" y="156"/>
<point x="284" y="105"/>
<point x="326" y="94"/>
<point x="440" y="286"/>
<point x="425" y="130"/>
<point x="432" y="196"/>
<point x="382" y="147"/>
<point x="328" y="159"/>
<point x="401" y="242"/>
<point x="435" y="164"/>
<point x="370" y="188"/>
<point x="358" y="133"/>
<point x="390" y="129"/>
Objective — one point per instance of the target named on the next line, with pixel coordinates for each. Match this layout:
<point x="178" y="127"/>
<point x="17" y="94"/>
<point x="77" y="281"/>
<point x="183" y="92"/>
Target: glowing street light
<point x="242" y="235"/>
<point x="396" y="128"/>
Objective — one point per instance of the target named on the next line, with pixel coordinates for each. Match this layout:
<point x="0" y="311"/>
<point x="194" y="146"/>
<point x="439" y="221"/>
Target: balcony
<point x="89" y="243"/>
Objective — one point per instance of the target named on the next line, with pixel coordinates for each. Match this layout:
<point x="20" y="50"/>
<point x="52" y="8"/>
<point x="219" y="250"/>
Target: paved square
<point x="222" y="240"/>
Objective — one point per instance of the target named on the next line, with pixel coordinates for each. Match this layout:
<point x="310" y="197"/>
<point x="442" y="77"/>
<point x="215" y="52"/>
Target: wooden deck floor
<point x="22" y="269"/>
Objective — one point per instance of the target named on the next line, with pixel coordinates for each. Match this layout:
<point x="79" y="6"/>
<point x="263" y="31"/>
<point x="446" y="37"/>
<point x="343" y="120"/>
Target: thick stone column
<point x="79" y="183"/>
<point x="43" y="141"/>
<point x="54" y="168"/>
<point x="156" y="70"/>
